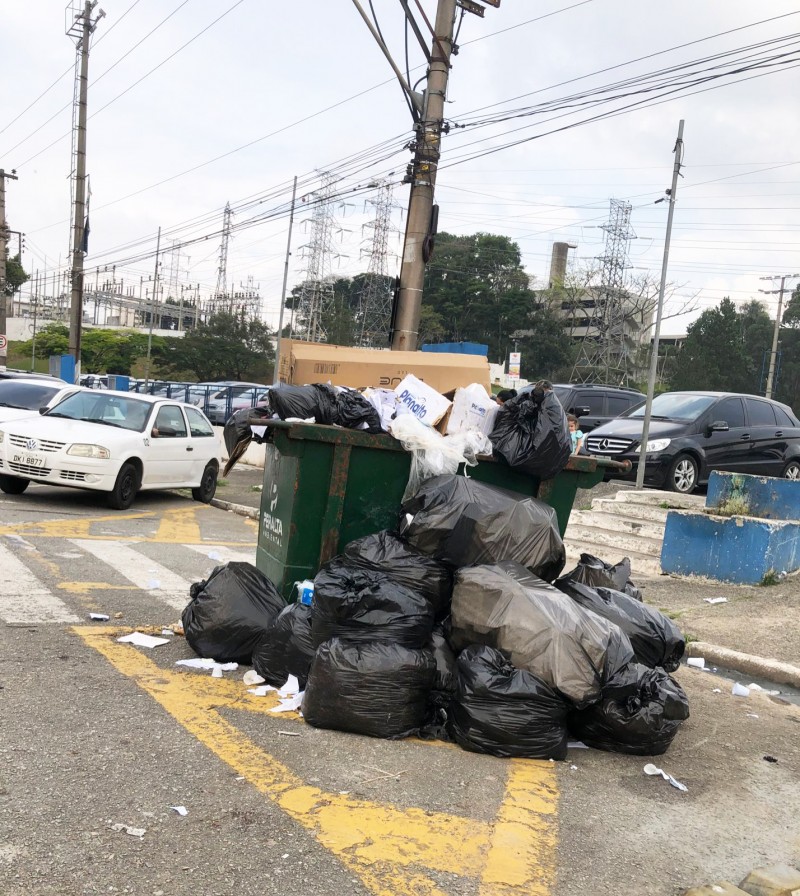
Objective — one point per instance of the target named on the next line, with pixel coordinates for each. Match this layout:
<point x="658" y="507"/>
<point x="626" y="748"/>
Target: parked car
<point x="693" y="433"/>
<point x="594" y="404"/>
<point x="23" y="375"/>
<point x="24" y="397"/>
<point x="233" y="397"/>
<point x="112" y="442"/>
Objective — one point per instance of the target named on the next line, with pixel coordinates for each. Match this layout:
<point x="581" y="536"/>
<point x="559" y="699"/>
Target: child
<point x="575" y="433"/>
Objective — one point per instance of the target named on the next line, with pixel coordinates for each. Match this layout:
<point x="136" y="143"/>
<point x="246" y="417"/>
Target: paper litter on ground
<point x="99" y="617"/>
<point x="262" y="690"/>
<point x="181" y="810"/>
<point x="206" y="663"/>
<point x="291" y="687"/>
<point x="140" y="639"/>
<point x="289" y="704"/>
<point x="697" y="662"/>
<point x="715" y="600"/>
<point x="739" y="690"/>
<point x="252" y="677"/>
<point x="134" y="832"/>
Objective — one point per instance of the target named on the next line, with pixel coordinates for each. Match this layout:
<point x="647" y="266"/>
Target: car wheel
<point x="791" y="471"/>
<point x="13" y="485"/>
<point x="208" y="484"/>
<point x="682" y="476"/>
<point x="125" y="488"/>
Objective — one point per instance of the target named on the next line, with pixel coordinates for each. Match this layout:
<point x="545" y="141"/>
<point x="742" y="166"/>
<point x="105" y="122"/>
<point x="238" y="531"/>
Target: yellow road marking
<point x="86" y="587"/>
<point x="389" y="848"/>
<point x="179" y="527"/>
<point x="70" y="528"/>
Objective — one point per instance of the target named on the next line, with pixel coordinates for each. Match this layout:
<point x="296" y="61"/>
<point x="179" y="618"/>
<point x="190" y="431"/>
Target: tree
<point x="226" y="346"/>
<point x="716" y="354"/>
<point x="791" y="314"/>
<point x="15" y="275"/>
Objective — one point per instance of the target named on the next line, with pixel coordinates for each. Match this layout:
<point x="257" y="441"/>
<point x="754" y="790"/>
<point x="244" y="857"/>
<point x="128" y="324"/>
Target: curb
<point x="772" y="670"/>
<point x="241" y="509"/>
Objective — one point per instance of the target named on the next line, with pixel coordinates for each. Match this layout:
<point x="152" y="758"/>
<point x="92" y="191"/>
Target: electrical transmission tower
<point x="316" y="295"/>
<point x="246" y="301"/>
<point x="375" y="300"/>
<point x="603" y="355"/>
<point x="221" y="301"/>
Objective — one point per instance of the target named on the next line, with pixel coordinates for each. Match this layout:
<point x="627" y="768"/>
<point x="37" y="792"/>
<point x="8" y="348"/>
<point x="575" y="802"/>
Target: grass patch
<point x="735" y="505"/>
<point x="770" y="578"/>
<point x="689" y="637"/>
<point x="222" y="483"/>
<point x="256" y="488"/>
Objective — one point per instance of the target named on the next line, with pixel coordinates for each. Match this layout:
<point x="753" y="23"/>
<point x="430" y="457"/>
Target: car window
<point x="562" y="394"/>
<point x="760" y="413"/>
<point x="591" y="400"/>
<point x="99" y="407"/>
<point x="617" y="404"/>
<point x="170" y="423"/>
<point x="730" y="410"/>
<point x="676" y="406"/>
<point x="28" y="396"/>
<point x="198" y="425"/>
<point x="783" y="418"/>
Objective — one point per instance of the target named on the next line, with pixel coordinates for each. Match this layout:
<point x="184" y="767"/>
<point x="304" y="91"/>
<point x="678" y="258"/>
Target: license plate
<point x="30" y="460"/>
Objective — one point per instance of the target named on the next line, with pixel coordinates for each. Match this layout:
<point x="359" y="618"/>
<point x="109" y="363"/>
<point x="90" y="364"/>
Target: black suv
<point x="595" y="405"/>
<point x="693" y="433"/>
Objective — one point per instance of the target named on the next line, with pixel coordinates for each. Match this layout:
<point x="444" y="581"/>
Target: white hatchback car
<point x="113" y="442"/>
<point x="24" y="397"/>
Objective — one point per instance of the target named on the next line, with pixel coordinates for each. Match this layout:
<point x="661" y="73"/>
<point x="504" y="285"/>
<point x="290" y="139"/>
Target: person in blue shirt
<point x="575" y="434"/>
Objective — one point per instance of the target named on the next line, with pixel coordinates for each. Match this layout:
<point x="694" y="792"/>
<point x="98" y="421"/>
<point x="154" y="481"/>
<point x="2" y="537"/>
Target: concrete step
<point x="630" y="509"/>
<point x="614" y="542"/>
<point x="673" y="500"/>
<point x="643" y="566"/>
<point x="615" y="522"/>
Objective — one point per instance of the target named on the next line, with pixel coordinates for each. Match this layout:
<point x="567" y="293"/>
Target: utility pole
<point x="152" y="314"/>
<point x="651" y="382"/>
<point x="776" y="332"/>
<point x="276" y="377"/>
<point x="81" y="28"/>
<point x="423" y="180"/>
<point x="3" y="251"/>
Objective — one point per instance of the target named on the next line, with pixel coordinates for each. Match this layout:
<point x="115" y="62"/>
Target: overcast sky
<point x="273" y="90"/>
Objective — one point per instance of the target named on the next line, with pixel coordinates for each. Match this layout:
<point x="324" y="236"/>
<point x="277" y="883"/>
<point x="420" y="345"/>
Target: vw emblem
<point x="31" y="444"/>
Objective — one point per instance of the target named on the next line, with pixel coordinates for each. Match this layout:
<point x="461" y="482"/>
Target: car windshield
<point x="107" y="410"/>
<point x="25" y="396"/>
<point x="676" y="406"/>
<point x="562" y="394"/>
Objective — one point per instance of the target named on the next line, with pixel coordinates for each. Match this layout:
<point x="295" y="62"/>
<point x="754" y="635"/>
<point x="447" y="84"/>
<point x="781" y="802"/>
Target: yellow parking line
<point x="389" y="848"/>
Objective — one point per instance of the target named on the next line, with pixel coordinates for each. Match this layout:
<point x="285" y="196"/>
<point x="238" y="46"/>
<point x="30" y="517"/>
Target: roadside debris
<point x="99" y="617"/>
<point x="651" y="769"/>
<point x="715" y="600"/>
<point x="696" y="662"/>
<point x="181" y="810"/>
<point x="208" y="664"/>
<point x="770" y="759"/>
<point x="739" y="690"/>
<point x="134" y="832"/>
<point x="140" y="639"/>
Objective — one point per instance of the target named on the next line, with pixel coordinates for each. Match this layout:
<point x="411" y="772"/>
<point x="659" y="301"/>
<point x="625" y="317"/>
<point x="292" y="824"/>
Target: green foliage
<point x="791" y="314"/>
<point x="224" y="347"/>
<point x="15" y="275"/>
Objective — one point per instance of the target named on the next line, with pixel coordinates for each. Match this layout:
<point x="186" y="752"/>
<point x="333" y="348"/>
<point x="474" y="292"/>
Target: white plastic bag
<point x="434" y="454"/>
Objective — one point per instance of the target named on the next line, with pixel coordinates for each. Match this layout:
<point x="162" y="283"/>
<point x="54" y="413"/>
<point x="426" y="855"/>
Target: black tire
<point x="790" y="471"/>
<point x="208" y="484"/>
<point x="13" y="485"/>
<point x="683" y="474"/>
<point x="122" y="495"/>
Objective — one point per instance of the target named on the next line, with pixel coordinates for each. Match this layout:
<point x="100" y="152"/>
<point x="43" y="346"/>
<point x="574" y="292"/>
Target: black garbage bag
<point x="642" y="724"/>
<point x="372" y="688"/>
<point x="238" y="435"/>
<point x="531" y="433"/>
<point x="230" y="612"/>
<point x="444" y="682"/>
<point x="466" y="523"/>
<point x="655" y="639"/>
<point x="574" y="651"/>
<point x="287" y="647"/>
<point x="505" y="711"/>
<point x="405" y="565"/>
<point x="354" y="411"/>
<point x="595" y="572"/>
<point x="318" y="401"/>
<point x="367" y="605"/>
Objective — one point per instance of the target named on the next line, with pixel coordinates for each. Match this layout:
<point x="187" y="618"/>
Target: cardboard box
<point x="419" y="399"/>
<point x="316" y="362"/>
<point x="473" y="408"/>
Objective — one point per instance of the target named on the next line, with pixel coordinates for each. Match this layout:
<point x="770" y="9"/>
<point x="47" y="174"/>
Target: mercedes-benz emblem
<point x="31" y="444"/>
<point x="604" y="444"/>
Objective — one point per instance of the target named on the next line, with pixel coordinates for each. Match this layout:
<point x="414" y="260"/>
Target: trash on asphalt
<point x="140" y="639"/>
<point x="715" y="600"/>
<point x="99" y="617"/>
<point x="153" y="584"/>
<point x="697" y="662"/>
<point x="739" y="690"/>
<point x="286" y="648"/>
<point x="128" y="829"/>
<point x="596" y="573"/>
<point x="655" y="639"/>
<point x="168" y="632"/>
<point x="651" y="769"/>
<point x="288" y="704"/>
<point x="208" y="664"/>
<point x="262" y="690"/>
<point x="252" y="677"/>
<point x="181" y="810"/>
<point x="230" y="612"/>
<point x="770" y="759"/>
<point x="757" y="687"/>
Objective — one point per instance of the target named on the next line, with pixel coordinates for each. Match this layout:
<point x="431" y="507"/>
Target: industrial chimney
<point x="558" y="263"/>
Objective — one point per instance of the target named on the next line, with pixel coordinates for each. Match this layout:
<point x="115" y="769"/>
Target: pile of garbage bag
<point x="457" y="627"/>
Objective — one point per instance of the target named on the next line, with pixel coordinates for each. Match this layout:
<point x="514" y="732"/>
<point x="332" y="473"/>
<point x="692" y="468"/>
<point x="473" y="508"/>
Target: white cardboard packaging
<point x="473" y="409"/>
<point x="415" y="397"/>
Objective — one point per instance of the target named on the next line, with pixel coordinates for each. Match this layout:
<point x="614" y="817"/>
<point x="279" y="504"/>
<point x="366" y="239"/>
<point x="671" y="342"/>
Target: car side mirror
<point x="718" y="426"/>
<point x="43" y="410"/>
<point x="581" y="411"/>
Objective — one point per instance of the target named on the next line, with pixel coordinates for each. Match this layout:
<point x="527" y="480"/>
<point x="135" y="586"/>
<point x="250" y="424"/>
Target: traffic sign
<point x="3" y="342"/>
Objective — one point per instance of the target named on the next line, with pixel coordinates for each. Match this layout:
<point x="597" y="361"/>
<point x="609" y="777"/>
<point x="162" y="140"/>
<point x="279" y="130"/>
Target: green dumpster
<point x="325" y="486"/>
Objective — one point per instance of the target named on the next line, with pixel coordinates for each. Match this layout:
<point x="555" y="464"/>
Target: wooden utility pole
<point x="423" y="181"/>
<point x="84" y="27"/>
<point x="3" y="251"/>
<point x="773" y="355"/>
